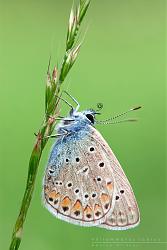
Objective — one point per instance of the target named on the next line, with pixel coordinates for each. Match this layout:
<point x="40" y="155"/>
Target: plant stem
<point x="32" y="172"/>
<point x="53" y="88"/>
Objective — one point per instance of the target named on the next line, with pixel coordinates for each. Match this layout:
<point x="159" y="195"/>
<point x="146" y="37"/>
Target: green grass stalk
<point x="52" y="106"/>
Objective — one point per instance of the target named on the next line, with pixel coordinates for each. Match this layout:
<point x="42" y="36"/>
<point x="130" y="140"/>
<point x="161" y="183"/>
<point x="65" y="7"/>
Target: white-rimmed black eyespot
<point x="59" y="183"/>
<point x="94" y="195"/>
<point x="67" y="160"/>
<point x="99" y="179"/>
<point x="101" y="164"/>
<point x="51" y="172"/>
<point x="56" y="201"/>
<point x="76" y="191"/>
<point x="85" y="169"/>
<point x="91" y="149"/>
<point x="86" y="196"/>
<point x="69" y="184"/>
<point x="77" y="159"/>
<point x="122" y="191"/>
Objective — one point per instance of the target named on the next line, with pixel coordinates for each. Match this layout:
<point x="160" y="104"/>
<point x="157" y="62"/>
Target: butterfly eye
<point x="90" y="118"/>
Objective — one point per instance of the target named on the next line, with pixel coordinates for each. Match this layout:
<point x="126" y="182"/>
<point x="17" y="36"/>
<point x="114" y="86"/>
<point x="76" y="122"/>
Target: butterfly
<point x="84" y="183"/>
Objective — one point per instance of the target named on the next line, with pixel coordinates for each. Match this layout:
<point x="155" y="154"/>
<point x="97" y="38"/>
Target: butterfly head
<point x="86" y="116"/>
<point x="77" y="120"/>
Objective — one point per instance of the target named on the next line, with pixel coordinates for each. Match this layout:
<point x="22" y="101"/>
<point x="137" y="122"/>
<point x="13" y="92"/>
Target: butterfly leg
<point x="56" y="135"/>
<point x="59" y="118"/>
<point x="53" y="136"/>
<point x="60" y="98"/>
<point x="78" y="105"/>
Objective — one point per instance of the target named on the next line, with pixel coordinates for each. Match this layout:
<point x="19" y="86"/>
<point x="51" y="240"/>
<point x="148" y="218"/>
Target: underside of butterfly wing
<point x="78" y="184"/>
<point x="125" y="214"/>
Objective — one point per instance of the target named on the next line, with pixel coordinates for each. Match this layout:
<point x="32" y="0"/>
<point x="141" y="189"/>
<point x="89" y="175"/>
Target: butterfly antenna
<point x="107" y="121"/>
<point x="115" y="122"/>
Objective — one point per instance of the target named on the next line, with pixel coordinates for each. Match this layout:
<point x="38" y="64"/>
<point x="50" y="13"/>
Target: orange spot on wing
<point x="104" y="198"/>
<point x="66" y="205"/>
<point x="66" y="202"/>
<point x="98" y="212"/>
<point x="88" y="209"/>
<point x="88" y="213"/>
<point x="109" y="186"/>
<point x="77" y="210"/>
<point x="46" y="190"/>
<point x="54" y="195"/>
<point x="97" y="207"/>
<point x="77" y="205"/>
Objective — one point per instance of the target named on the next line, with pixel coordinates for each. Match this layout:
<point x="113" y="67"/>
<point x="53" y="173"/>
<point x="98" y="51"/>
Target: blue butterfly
<point x="84" y="183"/>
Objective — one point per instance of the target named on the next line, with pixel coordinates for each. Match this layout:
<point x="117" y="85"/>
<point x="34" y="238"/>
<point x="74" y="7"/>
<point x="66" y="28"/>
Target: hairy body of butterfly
<point x="84" y="183"/>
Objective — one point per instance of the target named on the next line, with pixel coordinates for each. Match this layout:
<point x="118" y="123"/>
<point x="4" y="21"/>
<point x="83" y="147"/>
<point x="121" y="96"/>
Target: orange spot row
<point x="77" y="210"/>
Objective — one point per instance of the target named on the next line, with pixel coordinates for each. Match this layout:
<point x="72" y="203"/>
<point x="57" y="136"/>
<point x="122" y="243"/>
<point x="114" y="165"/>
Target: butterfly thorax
<point x="75" y="122"/>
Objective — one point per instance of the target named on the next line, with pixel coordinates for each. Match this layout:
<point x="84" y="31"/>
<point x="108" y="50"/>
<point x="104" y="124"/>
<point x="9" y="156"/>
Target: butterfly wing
<point x="78" y="183"/>
<point x="125" y="214"/>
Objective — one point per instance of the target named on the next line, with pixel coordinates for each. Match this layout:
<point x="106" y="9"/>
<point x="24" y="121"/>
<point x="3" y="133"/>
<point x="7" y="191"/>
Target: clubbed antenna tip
<point x="136" y="108"/>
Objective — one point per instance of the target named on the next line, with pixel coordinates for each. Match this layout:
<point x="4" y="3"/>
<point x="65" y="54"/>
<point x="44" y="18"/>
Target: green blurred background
<point x="121" y="64"/>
